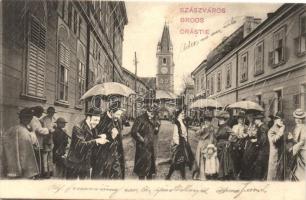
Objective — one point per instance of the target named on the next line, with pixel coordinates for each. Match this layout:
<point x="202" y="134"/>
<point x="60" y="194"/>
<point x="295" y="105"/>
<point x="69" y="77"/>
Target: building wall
<point x="15" y="55"/>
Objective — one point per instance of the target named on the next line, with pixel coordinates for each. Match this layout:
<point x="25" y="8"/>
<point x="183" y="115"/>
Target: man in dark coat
<point x="256" y="154"/>
<point x="143" y="133"/>
<point x="82" y="142"/>
<point x="106" y="159"/>
<point x="60" y="141"/>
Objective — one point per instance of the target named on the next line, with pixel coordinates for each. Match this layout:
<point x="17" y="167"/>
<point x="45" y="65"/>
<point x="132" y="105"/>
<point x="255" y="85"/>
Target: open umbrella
<point x="206" y="103"/>
<point x="163" y="94"/>
<point x="247" y="105"/>
<point x="108" y="88"/>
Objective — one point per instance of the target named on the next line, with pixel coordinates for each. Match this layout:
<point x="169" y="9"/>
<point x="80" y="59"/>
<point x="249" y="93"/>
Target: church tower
<point x="165" y="64"/>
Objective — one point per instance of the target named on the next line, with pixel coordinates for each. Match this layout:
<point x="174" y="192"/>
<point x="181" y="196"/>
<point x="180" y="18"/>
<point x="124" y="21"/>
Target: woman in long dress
<point x="298" y="150"/>
<point x="226" y="166"/>
<point x="207" y="136"/>
<point x="181" y="154"/>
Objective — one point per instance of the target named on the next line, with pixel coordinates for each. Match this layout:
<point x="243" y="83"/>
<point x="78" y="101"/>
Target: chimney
<point x="269" y="14"/>
<point x="250" y="23"/>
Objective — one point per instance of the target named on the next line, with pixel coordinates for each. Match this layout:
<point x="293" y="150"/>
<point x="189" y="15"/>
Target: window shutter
<point x="303" y="25"/>
<point x="286" y="53"/>
<point x="271" y="58"/>
<point x="297" y="45"/>
<point x="64" y="55"/>
<point x="36" y="59"/>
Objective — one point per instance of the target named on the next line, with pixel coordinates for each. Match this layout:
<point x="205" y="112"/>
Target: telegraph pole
<point x="135" y="63"/>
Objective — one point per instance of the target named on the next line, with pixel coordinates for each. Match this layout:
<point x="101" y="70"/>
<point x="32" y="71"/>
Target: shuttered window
<point x="36" y="59"/>
<point x="64" y="63"/>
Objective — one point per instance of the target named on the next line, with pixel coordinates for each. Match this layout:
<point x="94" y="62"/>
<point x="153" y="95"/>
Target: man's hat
<point x="223" y="114"/>
<point x="94" y="111"/>
<point x="259" y="116"/>
<point x="207" y="114"/>
<point x="61" y="120"/>
<point x="279" y="115"/>
<point x="51" y="109"/>
<point x="114" y="105"/>
<point x="241" y="114"/>
<point x="299" y="114"/>
<point x="26" y="112"/>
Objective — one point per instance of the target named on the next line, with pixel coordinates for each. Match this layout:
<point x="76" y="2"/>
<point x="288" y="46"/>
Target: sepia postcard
<point x="152" y="100"/>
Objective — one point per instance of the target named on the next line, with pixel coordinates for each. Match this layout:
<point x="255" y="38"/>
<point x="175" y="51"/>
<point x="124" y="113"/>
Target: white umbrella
<point x="206" y="103"/>
<point x="247" y="105"/>
<point x="108" y="88"/>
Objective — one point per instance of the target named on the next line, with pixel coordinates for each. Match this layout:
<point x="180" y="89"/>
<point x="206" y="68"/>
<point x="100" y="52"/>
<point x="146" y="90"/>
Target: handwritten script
<point x="152" y="191"/>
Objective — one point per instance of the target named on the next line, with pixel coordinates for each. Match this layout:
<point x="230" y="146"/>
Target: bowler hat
<point x="259" y="116"/>
<point x="279" y="115"/>
<point x="223" y="114"/>
<point x="299" y="114"/>
<point x="61" y="120"/>
<point x="94" y="111"/>
<point x="26" y="112"/>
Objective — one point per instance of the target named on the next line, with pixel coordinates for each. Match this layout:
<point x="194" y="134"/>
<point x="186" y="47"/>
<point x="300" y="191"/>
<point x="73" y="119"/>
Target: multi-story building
<point x="199" y="77"/>
<point x="266" y="63"/>
<point x="52" y="51"/>
<point x="134" y="82"/>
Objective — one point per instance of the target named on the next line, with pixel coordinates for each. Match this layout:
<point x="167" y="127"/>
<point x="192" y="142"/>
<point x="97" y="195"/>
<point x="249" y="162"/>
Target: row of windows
<point x="276" y="57"/>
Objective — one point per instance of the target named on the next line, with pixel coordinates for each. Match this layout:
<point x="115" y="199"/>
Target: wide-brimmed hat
<point x="299" y="114"/>
<point x="223" y="115"/>
<point x="51" y="109"/>
<point x="258" y="116"/>
<point x="61" y="120"/>
<point x="279" y="115"/>
<point x="94" y="111"/>
<point x="26" y="112"/>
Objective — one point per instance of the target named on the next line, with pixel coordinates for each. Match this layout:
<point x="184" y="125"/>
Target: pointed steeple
<point x="165" y="44"/>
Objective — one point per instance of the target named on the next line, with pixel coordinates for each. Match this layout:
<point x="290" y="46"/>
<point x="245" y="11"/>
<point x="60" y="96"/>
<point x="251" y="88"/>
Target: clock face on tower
<point x="164" y="70"/>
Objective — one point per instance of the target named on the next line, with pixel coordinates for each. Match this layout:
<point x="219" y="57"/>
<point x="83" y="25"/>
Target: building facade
<point x="141" y="89"/>
<point x="165" y="64"/>
<point x="53" y="51"/>
<point x="267" y="64"/>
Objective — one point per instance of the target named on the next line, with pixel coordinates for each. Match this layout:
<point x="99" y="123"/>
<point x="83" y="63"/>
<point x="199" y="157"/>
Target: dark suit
<point x="79" y="156"/>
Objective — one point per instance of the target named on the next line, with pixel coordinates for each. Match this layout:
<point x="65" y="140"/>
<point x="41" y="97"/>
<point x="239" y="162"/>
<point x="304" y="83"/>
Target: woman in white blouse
<point x="181" y="154"/>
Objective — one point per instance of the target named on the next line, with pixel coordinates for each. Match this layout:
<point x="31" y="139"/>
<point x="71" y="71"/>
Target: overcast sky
<point x="145" y="25"/>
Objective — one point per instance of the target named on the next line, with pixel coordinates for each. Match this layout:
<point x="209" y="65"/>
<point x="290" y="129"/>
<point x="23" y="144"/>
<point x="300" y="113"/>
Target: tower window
<point x="164" y="61"/>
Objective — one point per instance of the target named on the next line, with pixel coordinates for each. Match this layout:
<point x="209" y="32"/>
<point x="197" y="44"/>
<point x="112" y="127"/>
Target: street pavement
<point x="163" y="151"/>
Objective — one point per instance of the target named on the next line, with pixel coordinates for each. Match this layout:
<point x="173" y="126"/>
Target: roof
<point x="165" y="41"/>
<point x="199" y="67"/>
<point x="149" y="81"/>
<point x="124" y="70"/>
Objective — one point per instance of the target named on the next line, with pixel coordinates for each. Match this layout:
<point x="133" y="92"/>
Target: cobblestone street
<point x="163" y="152"/>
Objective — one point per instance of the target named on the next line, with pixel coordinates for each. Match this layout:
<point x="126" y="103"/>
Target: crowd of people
<point x="251" y="149"/>
<point x="39" y="147"/>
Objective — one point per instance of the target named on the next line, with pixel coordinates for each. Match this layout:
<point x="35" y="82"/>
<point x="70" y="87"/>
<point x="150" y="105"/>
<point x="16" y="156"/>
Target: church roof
<point x="165" y="41"/>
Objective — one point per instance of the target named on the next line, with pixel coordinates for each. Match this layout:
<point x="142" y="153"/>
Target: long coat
<point x="226" y="166"/>
<point x="105" y="158"/>
<point x="207" y="136"/>
<point x="275" y="134"/>
<point x="82" y="142"/>
<point x="119" y="126"/>
<point x="256" y="155"/>
<point x="142" y="132"/>
<point x="19" y="157"/>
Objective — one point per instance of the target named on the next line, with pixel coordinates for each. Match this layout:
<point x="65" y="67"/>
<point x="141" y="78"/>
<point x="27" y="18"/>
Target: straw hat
<point x="299" y="113"/>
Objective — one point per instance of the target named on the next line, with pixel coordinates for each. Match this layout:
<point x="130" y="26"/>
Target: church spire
<point x="165" y="44"/>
